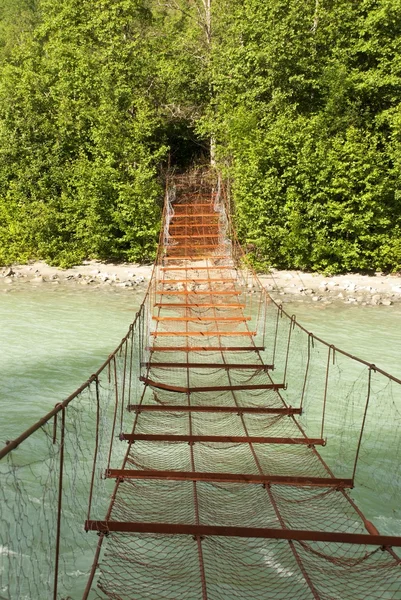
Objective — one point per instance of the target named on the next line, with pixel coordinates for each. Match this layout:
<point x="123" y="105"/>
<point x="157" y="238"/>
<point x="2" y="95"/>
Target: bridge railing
<point x="352" y="405"/>
<point x="53" y="475"/>
<point x="52" y="478"/>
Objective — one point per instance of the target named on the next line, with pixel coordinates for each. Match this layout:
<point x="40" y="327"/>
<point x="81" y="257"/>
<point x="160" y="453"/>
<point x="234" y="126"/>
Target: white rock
<point x="387" y="302"/>
<point x="376" y="299"/>
<point x="396" y="288"/>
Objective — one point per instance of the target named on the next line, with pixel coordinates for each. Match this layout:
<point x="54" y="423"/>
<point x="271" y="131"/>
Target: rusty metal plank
<point x="218" y="409"/>
<point x="202" y="319"/>
<point x="325" y="482"/>
<point x="197" y="258"/>
<point x="210" y="268"/>
<point x="194" y="204"/>
<point x="200" y="293"/>
<point x="194" y="225"/>
<point x="202" y="333"/>
<point x="197" y="280"/>
<point x="195" y="236"/>
<point x="197" y="305"/>
<point x="213" y="388"/>
<point x="220" y="439"/>
<point x="183" y="215"/>
<point x="206" y="348"/>
<point x="247" y="532"/>
<point x="191" y="246"/>
<point x="188" y="365"/>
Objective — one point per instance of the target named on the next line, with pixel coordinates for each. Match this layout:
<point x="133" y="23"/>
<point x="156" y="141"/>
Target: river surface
<point x="52" y="338"/>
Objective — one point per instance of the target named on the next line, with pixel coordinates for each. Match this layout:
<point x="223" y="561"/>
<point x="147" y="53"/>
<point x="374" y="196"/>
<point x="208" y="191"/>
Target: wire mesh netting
<point x="221" y="452"/>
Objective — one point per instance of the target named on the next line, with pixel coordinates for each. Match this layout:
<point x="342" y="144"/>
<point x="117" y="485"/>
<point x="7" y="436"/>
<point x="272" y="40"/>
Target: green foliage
<point x="301" y="99"/>
<point x="78" y="137"/>
<point x="308" y="116"/>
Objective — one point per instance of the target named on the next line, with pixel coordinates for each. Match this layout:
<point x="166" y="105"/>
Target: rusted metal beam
<point x="200" y="293"/>
<point x="197" y="280"/>
<point x="195" y="258"/>
<point x="211" y="409"/>
<point x="194" y="204"/>
<point x="223" y="439"/>
<point x="188" y="365"/>
<point x="202" y="333"/>
<point x="191" y="246"/>
<point x="247" y="532"/>
<point x="202" y="319"/>
<point x="212" y="388"/>
<point x="325" y="482"/>
<point x="201" y="214"/>
<point x="197" y="305"/>
<point x="195" y="236"/>
<point x="210" y="268"/>
<point x="194" y="225"/>
<point x="206" y="348"/>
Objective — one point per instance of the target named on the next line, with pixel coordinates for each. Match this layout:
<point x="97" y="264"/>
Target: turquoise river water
<point x="53" y="337"/>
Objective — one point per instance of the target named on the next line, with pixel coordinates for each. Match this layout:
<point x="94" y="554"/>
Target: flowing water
<point x="51" y="340"/>
<point x="53" y="337"/>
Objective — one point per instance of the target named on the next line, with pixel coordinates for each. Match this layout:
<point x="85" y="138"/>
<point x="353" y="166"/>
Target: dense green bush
<point x="301" y="99"/>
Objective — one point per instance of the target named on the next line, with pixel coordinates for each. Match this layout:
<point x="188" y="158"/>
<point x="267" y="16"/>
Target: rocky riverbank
<point x="90" y="273"/>
<point x="353" y="288"/>
<point x="284" y="286"/>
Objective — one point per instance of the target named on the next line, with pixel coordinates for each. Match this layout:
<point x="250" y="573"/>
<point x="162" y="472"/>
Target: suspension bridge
<point x="222" y="451"/>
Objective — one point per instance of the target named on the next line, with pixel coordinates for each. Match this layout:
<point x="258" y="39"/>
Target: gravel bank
<point x="284" y="286"/>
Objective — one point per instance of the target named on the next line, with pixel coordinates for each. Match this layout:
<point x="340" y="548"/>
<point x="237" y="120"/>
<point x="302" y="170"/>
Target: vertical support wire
<point x="292" y="324"/>
<point x="59" y="503"/>
<point x="371" y="368"/>
<point x="123" y="384"/>
<point x="279" y="314"/>
<point x="132" y="339"/>
<point x="310" y="344"/>
<point x="326" y="385"/>
<point x="115" y="413"/>
<point x="265" y="300"/>
<point x="96" y="445"/>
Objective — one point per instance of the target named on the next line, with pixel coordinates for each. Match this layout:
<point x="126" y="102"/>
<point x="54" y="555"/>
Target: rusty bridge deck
<point x="222" y="494"/>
